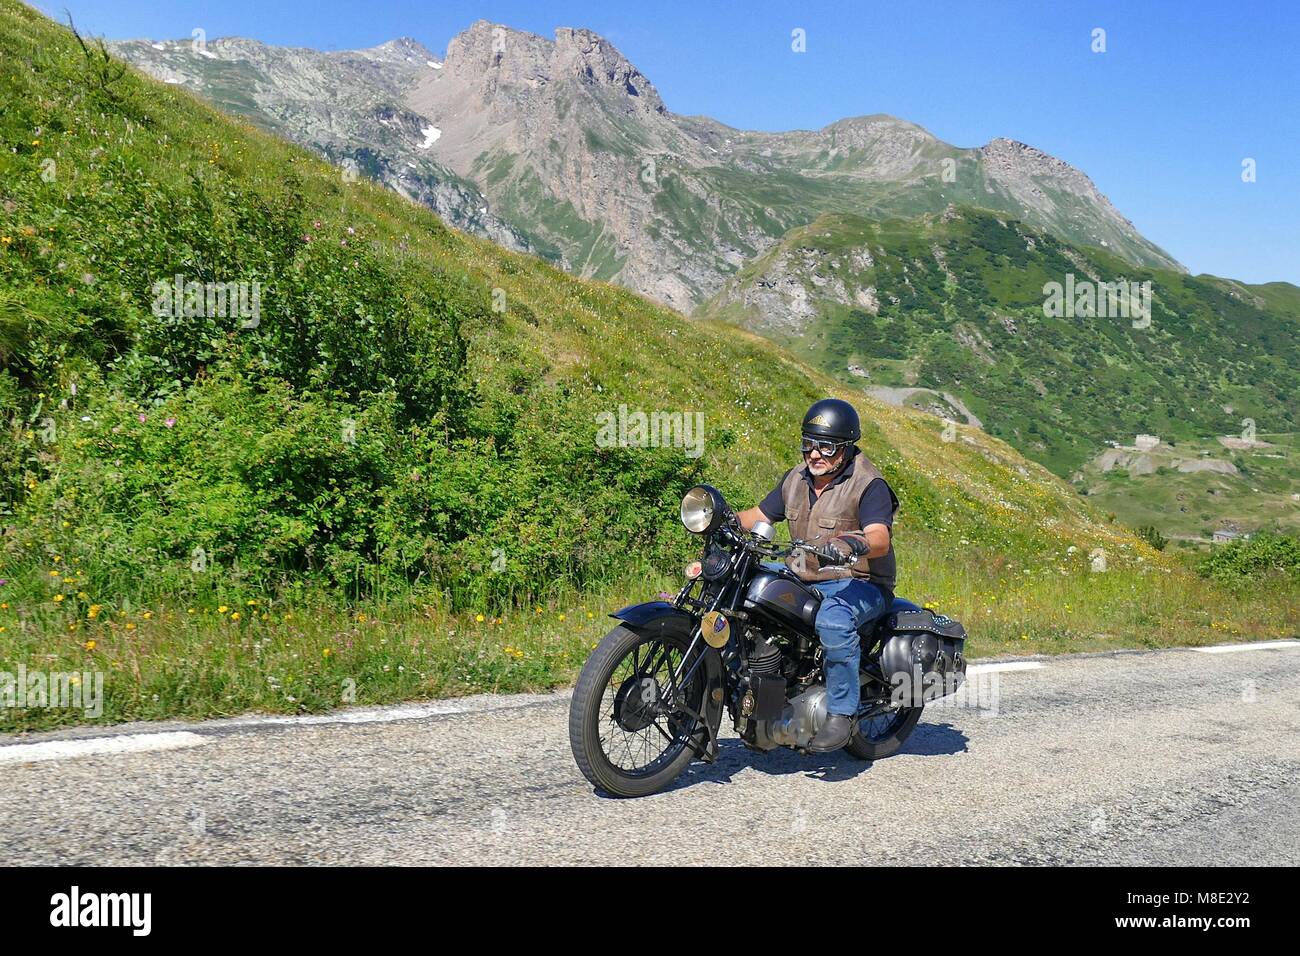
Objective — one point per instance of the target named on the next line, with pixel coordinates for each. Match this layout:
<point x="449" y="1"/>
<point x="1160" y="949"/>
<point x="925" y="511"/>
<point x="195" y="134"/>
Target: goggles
<point x="824" y="447"/>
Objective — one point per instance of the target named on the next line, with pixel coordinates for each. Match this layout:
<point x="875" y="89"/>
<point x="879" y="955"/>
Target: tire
<point x="591" y="705"/>
<point x="869" y="743"/>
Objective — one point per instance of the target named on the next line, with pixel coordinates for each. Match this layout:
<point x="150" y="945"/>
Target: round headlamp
<point x="703" y="509"/>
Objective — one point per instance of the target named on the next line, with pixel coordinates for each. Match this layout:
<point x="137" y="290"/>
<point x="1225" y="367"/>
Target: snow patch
<point x="431" y="134"/>
<point x="436" y="66"/>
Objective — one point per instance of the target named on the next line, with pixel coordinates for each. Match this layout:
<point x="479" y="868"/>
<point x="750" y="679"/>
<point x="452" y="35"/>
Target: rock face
<point x="564" y="147"/>
<point x="1055" y="195"/>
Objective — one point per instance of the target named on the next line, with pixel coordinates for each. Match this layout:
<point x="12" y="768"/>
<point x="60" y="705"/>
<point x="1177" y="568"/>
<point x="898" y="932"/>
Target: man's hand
<point x="848" y="547"/>
<point x="750" y="517"/>
<point x="873" y="541"/>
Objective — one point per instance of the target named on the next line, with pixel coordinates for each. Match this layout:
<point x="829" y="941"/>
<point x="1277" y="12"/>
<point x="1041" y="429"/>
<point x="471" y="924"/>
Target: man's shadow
<point x="927" y="740"/>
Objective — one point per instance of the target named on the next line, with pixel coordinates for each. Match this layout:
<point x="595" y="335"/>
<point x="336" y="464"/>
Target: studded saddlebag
<point x="924" y="658"/>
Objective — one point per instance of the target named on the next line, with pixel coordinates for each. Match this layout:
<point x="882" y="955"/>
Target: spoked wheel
<point x="882" y="734"/>
<point x="627" y="737"/>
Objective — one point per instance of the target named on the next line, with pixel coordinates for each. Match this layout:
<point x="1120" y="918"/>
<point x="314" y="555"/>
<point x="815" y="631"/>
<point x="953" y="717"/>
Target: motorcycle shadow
<point x="928" y="740"/>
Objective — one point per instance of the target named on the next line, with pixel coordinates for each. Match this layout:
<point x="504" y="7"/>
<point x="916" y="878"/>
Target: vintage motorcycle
<point x="740" y="633"/>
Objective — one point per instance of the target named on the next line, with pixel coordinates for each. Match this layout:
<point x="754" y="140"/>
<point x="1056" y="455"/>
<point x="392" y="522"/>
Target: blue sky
<point x="1161" y="121"/>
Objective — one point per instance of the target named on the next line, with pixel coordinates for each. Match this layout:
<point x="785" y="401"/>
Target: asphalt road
<point x="1168" y="757"/>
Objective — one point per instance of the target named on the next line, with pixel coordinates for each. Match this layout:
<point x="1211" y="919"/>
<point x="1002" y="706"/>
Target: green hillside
<point x="390" y="478"/>
<point x="955" y="303"/>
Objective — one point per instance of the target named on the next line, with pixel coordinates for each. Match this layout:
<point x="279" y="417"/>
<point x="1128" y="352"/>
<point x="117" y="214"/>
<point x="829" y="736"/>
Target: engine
<point x="799" y="722"/>
<point x="780" y="668"/>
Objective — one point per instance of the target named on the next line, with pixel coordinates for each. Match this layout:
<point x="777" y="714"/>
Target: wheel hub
<point x="637" y="703"/>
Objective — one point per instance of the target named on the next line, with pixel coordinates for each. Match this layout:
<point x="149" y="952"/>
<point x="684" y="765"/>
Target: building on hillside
<point x="1146" y="442"/>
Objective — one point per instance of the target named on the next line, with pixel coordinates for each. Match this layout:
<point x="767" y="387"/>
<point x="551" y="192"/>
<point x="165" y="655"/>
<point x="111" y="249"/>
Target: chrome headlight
<point x="703" y="509"/>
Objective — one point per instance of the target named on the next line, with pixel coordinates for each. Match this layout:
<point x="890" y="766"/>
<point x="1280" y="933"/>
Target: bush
<point x="1152" y="536"/>
<point x="1262" y="555"/>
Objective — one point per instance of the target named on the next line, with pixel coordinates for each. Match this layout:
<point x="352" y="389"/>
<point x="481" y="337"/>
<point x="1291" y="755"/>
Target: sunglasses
<point x="827" y="449"/>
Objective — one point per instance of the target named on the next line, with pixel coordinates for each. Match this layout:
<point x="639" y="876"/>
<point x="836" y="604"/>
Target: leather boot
<point x="833" y="735"/>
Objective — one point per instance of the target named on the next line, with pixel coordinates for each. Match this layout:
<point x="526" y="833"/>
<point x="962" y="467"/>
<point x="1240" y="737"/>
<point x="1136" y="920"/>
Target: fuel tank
<point x="784" y="598"/>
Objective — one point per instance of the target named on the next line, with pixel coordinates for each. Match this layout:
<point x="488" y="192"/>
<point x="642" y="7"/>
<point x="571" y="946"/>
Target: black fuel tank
<point x="784" y="598"/>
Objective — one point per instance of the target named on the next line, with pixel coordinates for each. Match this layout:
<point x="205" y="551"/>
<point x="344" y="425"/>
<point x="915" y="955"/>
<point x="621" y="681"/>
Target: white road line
<point x="1005" y="666"/>
<point x="375" y="715"/>
<point x="1253" y="646"/>
<point x="129" y="743"/>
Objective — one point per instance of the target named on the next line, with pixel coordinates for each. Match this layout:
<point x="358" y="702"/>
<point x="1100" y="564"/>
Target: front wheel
<point x="882" y="735"/>
<point x="626" y="738"/>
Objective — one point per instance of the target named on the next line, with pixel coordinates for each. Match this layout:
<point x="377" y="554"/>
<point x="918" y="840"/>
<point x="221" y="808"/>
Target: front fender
<point x="656" y="617"/>
<point x="657" y="614"/>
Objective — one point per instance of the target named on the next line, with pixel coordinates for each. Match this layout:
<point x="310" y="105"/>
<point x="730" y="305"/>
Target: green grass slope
<point x="391" y="484"/>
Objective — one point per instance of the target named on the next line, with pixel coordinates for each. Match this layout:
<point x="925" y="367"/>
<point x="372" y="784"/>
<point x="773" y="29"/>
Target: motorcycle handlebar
<point x="824" y="555"/>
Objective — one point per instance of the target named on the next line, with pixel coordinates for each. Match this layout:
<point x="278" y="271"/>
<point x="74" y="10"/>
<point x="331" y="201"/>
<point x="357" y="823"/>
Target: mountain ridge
<point x="573" y="146"/>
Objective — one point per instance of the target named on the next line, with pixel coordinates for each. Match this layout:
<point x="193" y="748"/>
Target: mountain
<point x="346" y="106"/>
<point x="472" y="375"/>
<point x="573" y="146"/>
<point x="948" y="312"/>
<point x="893" y="261"/>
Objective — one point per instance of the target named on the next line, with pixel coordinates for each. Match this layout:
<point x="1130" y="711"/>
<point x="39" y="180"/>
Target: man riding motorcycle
<point x="838" y="499"/>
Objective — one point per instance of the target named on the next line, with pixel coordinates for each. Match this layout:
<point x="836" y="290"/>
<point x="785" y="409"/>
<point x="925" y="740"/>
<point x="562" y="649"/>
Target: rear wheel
<point x="883" y="734"/>
<point x="625" y="736"/>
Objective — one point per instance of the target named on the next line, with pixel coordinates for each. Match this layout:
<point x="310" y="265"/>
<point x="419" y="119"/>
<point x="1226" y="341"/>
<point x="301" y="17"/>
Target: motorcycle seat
<point x="898" y="604"/>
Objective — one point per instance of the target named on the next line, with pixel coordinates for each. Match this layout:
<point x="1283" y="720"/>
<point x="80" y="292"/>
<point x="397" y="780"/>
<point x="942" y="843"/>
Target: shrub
<point x="1261" y="555"/>
<point x="1152" y="536"/>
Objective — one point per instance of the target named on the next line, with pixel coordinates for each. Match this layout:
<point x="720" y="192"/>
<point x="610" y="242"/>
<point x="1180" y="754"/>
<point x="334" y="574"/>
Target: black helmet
<point x="833" y="419"/>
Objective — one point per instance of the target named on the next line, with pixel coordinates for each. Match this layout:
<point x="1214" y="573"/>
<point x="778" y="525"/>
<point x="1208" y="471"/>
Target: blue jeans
<point x="847" y="604"/>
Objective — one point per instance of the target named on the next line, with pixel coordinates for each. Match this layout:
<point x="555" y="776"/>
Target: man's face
<point x="820" y="462"/>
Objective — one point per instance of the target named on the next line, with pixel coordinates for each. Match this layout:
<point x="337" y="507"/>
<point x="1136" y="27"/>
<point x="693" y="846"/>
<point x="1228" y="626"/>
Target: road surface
<point x="1165" y="757"/>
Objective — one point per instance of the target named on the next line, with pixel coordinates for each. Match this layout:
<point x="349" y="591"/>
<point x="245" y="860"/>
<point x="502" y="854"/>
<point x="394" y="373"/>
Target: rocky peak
<point x="593" y="59"/>
<point x="494" y="57"/>
<point x="1009" y="159"/>
<point x="403" y="49"/>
